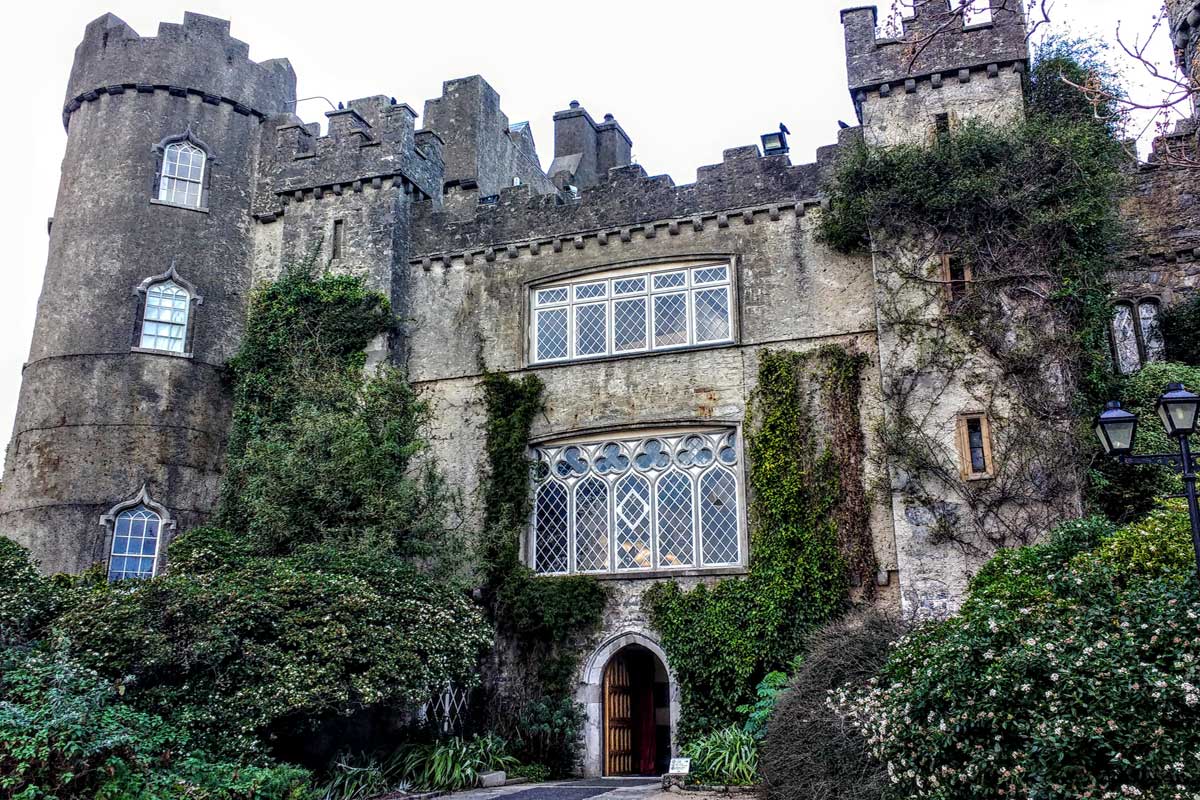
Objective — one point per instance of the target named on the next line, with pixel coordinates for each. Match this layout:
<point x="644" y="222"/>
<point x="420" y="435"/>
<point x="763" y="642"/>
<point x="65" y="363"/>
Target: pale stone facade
<point x="459" y="226"/>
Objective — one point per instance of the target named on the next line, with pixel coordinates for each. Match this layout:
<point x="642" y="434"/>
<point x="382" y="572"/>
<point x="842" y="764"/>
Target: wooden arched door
<point x="618" y="718"/>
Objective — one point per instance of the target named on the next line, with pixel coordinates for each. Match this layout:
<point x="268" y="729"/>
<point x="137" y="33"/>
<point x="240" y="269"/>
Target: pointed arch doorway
<point x="632" y="706"/>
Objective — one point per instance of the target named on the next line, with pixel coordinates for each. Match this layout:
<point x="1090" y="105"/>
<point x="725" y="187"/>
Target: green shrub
<point x="1088" y="689"/>
<point x="534" y="773"/>
<point x="810" y="752"/>
<point x="453" y="764"/>
<point x="1180" y="326"/>
<point x="726" y="757"/>
<point x="241" y="656"/>
<point x="759" y="712"/>
<point x="27" y="600"/>
<point x="66" y="732"/>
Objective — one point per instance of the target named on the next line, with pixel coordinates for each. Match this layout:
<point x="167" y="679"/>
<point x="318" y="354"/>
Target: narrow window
<point x="975" y="448"/>
<point x="1153" y="347"/>
<point x="1124" y="335"/>
<point x="956" y="274"/>
<point x="135" y="544"/>
<point x="338" y="226"/>
<point x="941" y="125"/>
<point x="181" y="180"/>
<point x="974" y="12"/>
<point x="165" y="319"/>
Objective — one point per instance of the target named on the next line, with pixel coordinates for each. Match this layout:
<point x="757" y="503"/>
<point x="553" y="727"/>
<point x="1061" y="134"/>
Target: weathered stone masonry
<point x="458" y="224"/>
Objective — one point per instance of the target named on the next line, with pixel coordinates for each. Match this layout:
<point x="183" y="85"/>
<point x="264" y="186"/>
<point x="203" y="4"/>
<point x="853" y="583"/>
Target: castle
<point x="642" y="305"/>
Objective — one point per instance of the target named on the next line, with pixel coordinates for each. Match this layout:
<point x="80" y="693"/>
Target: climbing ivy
<point x="540" y="619"/>
<point x="1031" y="209"/>
<point x="809" y="538"/>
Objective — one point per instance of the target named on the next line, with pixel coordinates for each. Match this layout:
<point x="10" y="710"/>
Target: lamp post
<point x="1178" y="409"/>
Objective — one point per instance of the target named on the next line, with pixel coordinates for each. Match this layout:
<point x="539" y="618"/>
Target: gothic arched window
<point x="181" y="180"/>
<point x="638" y="502"/>
<point x="165" y="317"/>
<point x="136" y="535"/>
<point x="1136" y="337"/>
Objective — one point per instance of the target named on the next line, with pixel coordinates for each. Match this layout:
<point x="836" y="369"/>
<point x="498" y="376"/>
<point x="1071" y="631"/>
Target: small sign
<point x="680" y="766"/>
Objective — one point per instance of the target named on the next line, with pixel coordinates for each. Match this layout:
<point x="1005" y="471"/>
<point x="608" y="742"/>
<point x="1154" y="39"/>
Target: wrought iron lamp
<point x="1178" y="409"/>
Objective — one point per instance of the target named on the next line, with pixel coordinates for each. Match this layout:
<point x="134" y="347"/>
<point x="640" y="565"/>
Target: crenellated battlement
<point x="370" y="141"/>
<point x="933" y="42"/>
<point x="198" y="57"/>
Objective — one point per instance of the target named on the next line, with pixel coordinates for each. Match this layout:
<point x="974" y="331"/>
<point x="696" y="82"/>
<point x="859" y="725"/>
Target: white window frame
<point x="167" y="184"/>
<point x="631" y="443"/>
<point x="177" y="289"/>
<point x="690" y="288"/>
<point x="166" y="525"/>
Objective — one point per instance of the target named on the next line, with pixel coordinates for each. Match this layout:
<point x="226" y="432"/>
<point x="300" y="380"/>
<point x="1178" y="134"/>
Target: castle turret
<point x="938" y="72"/>
<point x="122" y="417"/>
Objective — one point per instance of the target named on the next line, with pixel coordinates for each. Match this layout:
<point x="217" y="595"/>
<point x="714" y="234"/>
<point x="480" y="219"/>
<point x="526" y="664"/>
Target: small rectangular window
<point x="338" y="226"/>
<point x="941" y="125"/>
<point x="975" y="446"/>
<point x="956" y="275"/>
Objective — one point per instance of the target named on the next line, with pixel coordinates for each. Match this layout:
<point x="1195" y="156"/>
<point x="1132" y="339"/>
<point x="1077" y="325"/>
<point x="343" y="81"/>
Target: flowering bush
<point x="1072" y="671"/>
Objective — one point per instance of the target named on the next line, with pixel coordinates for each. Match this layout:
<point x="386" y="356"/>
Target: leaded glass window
<point x="181" y="181"/>
<point x="660" y="501"/>
<point x="165" y="319"/>
<point x="1136" y="336"/>
<point x="631" y="313"/>
<point x="135" y="544"/>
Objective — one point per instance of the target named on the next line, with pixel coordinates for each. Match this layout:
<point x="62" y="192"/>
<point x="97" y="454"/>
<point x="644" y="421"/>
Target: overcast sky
<point x="685" y="80"/>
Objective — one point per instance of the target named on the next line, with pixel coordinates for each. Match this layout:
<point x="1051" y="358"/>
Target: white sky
<point x="685" y="80"/>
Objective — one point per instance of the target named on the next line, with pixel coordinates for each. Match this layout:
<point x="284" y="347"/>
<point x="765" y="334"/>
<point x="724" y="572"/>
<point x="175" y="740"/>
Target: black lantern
<point x="1177" y="409"/>
<point x="774" y="144"/>
<point x="1116" y="427"/>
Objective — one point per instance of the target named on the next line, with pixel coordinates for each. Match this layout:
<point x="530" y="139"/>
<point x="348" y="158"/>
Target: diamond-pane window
<point x="633" y="523"/>
<point x="550" y="529"/>
<point x="670" y="320"/>
<point x="675" y="531"/>
<point x="718" y="518"/>
<point x="632" y="313"/>
<point x="711" y="312"/>
<point x="638" y="503"/>
<point x="591" y="525"/>
<point x="552" y="334"/>
<point x="591" y="329"/>
<point x="135" y="544"/>
<point x="182" y="178"/>
<point x="165" y="318"/>
<point x="629" y="324"/>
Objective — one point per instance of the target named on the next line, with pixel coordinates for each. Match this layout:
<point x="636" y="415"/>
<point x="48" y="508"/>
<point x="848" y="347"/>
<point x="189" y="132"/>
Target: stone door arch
<point x="590" y="694"/>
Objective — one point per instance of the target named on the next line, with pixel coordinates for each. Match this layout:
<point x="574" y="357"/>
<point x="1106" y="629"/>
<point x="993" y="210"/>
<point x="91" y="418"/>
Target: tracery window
<point x="632" y="312"/>
<point x="165" y="317"/>
<point x="1136" y="336"/>
<point x="659" y="501"/>
<point x="135" y="544"/>
<point x="181" y="179"/>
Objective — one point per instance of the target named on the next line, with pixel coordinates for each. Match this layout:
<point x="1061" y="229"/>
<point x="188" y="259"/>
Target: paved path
<point x="610" y="788"/>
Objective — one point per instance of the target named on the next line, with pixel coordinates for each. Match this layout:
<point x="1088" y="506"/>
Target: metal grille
<point x="675" y="533"/>
<point x="447" y="711"/>
<point x="712" y="315"/>
<point x="718" y="518"/>
<point x="710" y="275"/>
<point x="135" y="544"/>
<point x="182" y="175"/>
<point x="591" y="329"/>
<point x="591" y="526"/>
<point x="550" y="532"/>
<point x="670" y="320"/>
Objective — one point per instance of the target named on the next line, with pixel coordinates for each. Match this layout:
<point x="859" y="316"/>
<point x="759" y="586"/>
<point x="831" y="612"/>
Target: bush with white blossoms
<point x="1072" y="671"/>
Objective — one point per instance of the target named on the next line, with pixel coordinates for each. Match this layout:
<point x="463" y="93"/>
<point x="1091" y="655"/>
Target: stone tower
<point x="937" y="72"/>
<point x="145" y="286"/>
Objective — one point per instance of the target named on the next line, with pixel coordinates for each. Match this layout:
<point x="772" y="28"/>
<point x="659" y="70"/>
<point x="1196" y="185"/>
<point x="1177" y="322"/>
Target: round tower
<point x="121" y="423"/>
